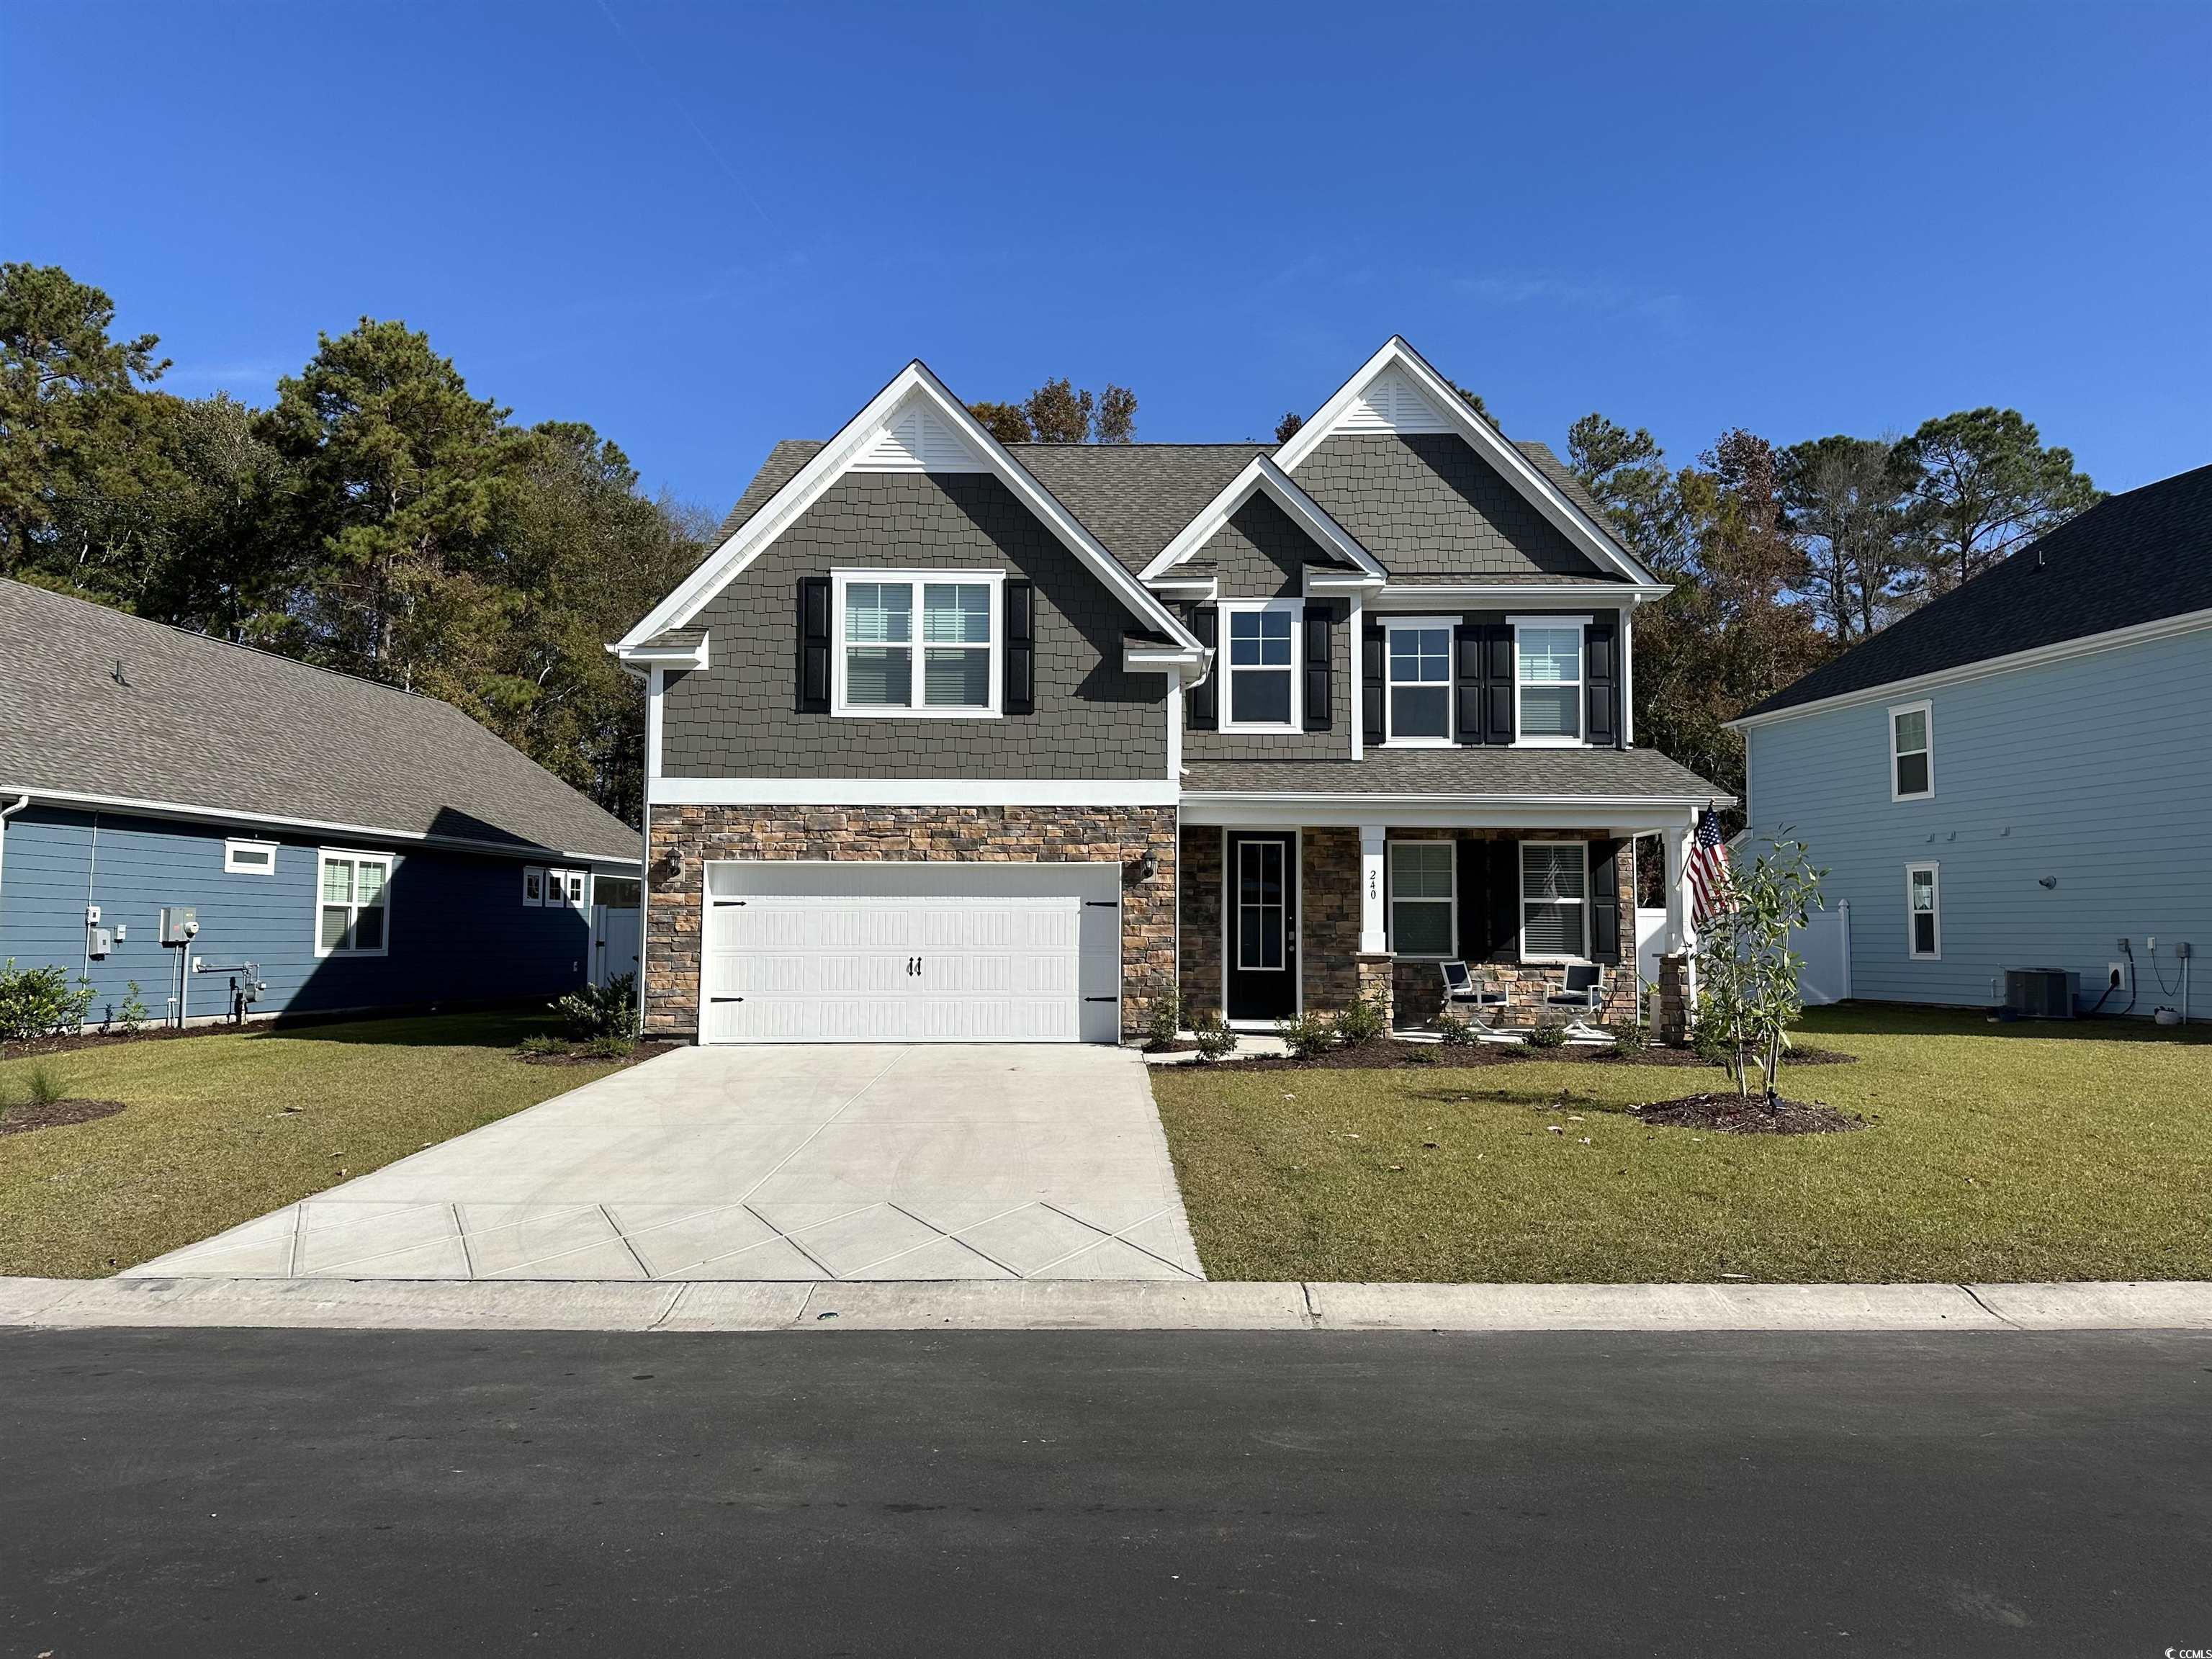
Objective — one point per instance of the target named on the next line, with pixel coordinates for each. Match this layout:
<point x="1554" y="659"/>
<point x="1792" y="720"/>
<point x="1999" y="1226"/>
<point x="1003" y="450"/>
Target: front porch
<point x="1278" y="920"/>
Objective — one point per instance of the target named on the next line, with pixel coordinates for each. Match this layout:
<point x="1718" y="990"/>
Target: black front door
<point x="1261" y="902"/>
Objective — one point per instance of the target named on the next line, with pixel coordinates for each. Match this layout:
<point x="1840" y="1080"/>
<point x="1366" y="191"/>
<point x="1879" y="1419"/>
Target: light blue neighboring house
<point x="361" y="846"/>
<point x="2018" y="774"/>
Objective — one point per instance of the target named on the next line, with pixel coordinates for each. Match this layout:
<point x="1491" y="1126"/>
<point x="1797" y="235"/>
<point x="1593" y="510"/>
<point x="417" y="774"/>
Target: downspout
<point x="7" y="812"/>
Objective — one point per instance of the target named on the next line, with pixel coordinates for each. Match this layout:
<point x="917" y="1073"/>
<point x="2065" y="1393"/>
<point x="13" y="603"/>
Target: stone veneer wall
<point x="1201" y="867"/>
<point x="1328" y="919"/>
<point x="685" y="837"/>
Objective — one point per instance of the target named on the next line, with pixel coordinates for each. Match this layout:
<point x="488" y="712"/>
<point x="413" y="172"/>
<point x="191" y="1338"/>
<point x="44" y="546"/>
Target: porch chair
<point x="1583" y="992"/>
<point x="1463" y="991"/>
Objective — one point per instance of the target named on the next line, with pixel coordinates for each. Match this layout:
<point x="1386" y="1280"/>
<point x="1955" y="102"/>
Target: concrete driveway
<point x="927" y="1162"/>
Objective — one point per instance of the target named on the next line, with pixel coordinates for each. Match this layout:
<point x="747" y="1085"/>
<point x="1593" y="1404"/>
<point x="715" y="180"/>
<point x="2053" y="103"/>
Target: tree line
<point x="380" y="519"/>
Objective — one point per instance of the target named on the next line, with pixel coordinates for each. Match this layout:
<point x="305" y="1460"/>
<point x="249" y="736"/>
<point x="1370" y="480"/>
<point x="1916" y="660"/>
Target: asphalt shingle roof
<point x="1467" y="770"/>
<point x="1135" y="497"/>
<point x="193" y="721"/>
<point x="2130" y="559"/>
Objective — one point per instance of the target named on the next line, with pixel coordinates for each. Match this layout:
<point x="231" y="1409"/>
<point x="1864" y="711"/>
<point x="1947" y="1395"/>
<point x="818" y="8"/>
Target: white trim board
<point x="1641" y="814"/>
<point x="2187" y="621"/>
<point x="188" y="813"/>
<point x="1261" y="474"/>
<point x="849" y="449"/>
<point x="1546" y="497"/>
<point x="1490" y="596"/>
<point x="914" y="791"/>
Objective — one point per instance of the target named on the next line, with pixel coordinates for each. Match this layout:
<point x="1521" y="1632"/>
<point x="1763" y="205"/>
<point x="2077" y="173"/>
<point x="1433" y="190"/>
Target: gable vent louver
<point x="1392" y="403"/>
<point x="917" y="439"/>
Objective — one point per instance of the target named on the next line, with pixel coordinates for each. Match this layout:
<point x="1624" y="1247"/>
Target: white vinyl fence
<point x="1824" y="943"/>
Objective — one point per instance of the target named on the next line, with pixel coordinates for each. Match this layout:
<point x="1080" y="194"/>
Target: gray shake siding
<point x="1261" y="554"/>
<point x="738" y="718"/>
<point x="1431" y="509"/>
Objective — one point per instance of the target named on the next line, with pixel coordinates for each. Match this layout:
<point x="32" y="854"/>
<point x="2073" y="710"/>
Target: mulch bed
<point x="22" y="1120"/>
<point x="1389" y="1053"/>
<point x="643" y="1051"/>
<point x="1658" y="1057"/>
<point x="1731" y="1114"/>
<point x="71" y="1044"/>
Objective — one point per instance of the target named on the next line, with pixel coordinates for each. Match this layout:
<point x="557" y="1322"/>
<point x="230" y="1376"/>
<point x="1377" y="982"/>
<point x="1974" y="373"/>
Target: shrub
<point x="1420" y="1054"/>
<point x="541" y="1042"/>
<point x="1167" y="1017"/>
<point x="1457" y="1030"/>
<point x="1629" y="1038"/>
<point x="1547" y="1034"/>
<point x="1747" y="990"/>
<point x="43" y="1087"/>
<point x="610" y="1048"/>
<point x="1213" y="1035"/>
<point x="36" y="1002"/>
<point x="598" y="1010"/>
<point x="1361" y="1021"/>
<point x="1307" y="1035"/>
<point x="131" y="1016"/>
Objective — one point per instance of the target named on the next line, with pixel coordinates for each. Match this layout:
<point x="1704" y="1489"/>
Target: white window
<point x="1547" y="679"/>
<point x="1422" y="919"/>
<point x="1417" y="705"/>
<point x="1261" y="650"/>
<point x="566" y="887"/>
<point x="885" y="618"/>
<point x="249" y="857"/>
<point x="1554" y="901"/>
<point x="1912" y="752"/>
<point x="1924" y="911"/>
<point x="533" y="886"/>
<point x="352" y="912"/>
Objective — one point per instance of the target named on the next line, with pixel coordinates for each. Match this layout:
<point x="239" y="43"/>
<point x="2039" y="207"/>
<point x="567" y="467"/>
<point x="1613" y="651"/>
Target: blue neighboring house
<point x="362" y="846"/>
<point x="2018" y="774"/>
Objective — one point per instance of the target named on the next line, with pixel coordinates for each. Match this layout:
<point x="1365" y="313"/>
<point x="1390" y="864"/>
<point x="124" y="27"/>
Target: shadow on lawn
<point x="501" y="1028"/>
<point x="1847" y="1019"/>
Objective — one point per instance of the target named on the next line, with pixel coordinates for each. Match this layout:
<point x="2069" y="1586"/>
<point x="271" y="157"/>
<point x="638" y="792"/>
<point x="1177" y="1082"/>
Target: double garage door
<point x="908" y="952"/>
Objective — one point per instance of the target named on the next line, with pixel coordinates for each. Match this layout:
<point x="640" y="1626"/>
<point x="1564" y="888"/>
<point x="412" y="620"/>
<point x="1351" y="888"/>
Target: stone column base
<point x="1373" y="971"/>
<point x="1675" y="1014"/>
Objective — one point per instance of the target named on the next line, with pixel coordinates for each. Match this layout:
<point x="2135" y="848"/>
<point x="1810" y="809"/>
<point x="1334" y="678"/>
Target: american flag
<point x="1708" y="873"/>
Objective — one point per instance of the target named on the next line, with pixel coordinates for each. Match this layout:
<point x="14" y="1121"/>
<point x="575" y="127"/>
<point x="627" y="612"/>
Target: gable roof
<point x="2130" y="562"/>
<point x="1260" y="476"/>
<point x="877" y="435"/>
<point x="1397" y="365"/>
<point x="197" y="723"/>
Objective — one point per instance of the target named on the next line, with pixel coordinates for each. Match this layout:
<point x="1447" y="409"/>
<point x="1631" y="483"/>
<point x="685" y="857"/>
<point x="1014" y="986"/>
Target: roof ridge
<point x="235" y="645"/>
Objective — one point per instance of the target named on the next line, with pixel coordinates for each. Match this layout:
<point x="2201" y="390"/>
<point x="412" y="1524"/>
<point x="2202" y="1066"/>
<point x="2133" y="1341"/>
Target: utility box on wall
<point x="180" y="923"/>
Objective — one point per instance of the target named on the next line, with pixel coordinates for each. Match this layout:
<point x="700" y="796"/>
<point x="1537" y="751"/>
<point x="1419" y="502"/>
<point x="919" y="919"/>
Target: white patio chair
<point x="1464" y="993"/>
<point x="1583" y="994"/>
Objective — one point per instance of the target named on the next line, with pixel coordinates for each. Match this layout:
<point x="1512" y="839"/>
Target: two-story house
<point x="2016" y="775"/>
<point x="959" y="740"/>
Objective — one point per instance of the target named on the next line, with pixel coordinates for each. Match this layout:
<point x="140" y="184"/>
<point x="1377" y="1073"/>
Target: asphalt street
<point x="241" y="1492"/>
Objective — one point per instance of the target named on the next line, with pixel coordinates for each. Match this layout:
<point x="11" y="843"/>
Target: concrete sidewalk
<point x="393" y="1305"/>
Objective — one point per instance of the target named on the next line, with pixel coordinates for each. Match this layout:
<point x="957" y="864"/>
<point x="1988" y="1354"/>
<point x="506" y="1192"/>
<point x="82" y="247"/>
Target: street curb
<point x="1090" y="1304"/>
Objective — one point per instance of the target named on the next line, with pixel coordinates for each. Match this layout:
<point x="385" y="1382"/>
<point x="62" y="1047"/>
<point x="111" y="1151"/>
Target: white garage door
<point x="911" y="953"/>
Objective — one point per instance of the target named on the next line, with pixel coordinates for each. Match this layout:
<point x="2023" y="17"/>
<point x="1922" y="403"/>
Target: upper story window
<point x="1547" y="679"/>
<point x="1418" y="708"/>
<point x="249" y="857"/>
<point x="352" y="914"/>
<point x="1912" y="752"/>
<point x="885" y="618"/>
<point x="1262" y="654"/>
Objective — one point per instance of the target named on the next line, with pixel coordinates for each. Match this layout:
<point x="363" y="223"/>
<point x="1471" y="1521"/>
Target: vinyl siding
<point x="736" y="718"/>
<point x="2091" y="770"/>
<point x="459" y="930"/>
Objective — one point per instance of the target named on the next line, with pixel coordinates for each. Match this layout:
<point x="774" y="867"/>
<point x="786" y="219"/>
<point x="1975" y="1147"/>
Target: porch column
<point x="1374" y="939"/>
<point x="1681" y="931"/>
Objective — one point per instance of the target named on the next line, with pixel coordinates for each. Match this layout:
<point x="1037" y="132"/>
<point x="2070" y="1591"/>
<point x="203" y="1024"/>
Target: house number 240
<point x="1374" y="885"/>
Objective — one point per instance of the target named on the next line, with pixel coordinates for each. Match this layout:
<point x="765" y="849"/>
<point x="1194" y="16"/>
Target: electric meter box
<point x="179" y="922"/>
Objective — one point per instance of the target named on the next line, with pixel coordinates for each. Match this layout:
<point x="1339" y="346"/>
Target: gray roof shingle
<point x="2132" y="558"/>
<point x="195" y="722"/>
<point x="1134" y="497"/>
<point x="1466" y="770"/>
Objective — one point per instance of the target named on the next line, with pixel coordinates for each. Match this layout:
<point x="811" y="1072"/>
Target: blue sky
<point x="704" y="228"/>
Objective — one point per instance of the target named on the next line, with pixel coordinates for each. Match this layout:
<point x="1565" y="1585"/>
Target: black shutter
<point x="1372" y="689"/>
<point x="1504" y="899"/>
<point x="1605" y="901"/>
<point x="1205" y="700"/>
<point x="1021" y="647"/>
<point x="1602" y="683"/>
<point x="1474" y="900"/>
<point x="1466" y="681"/>
<point x="1497" y="683"/>
<point x="813" y="645"/>
<point x="1321" y="682"/>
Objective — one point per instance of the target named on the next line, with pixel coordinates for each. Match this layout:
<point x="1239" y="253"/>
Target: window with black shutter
<point x="814" y="645"/>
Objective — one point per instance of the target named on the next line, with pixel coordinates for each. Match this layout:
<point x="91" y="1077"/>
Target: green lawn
<point x="207" y="1142"/>
<point x="1991" y="1152"/>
